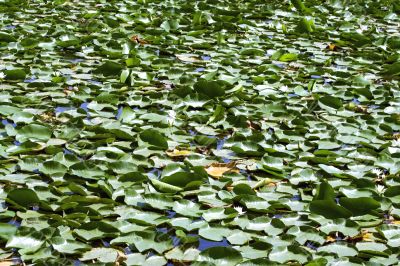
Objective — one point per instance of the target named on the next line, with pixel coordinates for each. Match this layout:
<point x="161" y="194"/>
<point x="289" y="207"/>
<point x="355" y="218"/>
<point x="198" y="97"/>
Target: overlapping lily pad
<point x="199" y="132"/>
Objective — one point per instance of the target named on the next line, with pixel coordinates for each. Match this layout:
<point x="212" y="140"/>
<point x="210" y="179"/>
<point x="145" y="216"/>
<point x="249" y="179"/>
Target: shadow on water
<point x="226" y="160"/>
<point x="17" y="261"/>
<point x="163" y="230"/>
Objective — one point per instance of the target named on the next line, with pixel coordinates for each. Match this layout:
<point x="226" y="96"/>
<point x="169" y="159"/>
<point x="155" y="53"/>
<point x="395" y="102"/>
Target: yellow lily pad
<point x="178" y="153"/>
<point x="218" y="169"/>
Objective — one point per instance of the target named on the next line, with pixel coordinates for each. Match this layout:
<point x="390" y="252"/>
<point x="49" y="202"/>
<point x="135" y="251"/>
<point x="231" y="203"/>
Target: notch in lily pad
<point x="324" y="204"/>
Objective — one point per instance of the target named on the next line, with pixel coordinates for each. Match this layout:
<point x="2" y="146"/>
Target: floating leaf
<point x="329" y="209"/>
<point x="211" y="89"/>
<point x="15" y="74"/>
<point x="106" y="255"/>
<point x="219" y="169"/>
<point x="330" y="102"/>
<point x="35" y="132"/>
<point x="23" y="196"/>
<point x="288" y="57"/>
<point x="178" y="153"/>
<point x="154" y="138"/>
<point x="109" y="68"/>
<point x="359" y="206"/>
<point x="221" y="256"/>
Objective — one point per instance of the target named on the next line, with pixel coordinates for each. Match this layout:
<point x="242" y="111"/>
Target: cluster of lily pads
<point x="177" y="132"/>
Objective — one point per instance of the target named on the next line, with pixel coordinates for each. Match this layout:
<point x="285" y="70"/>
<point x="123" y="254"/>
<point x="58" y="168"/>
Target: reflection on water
<point x="119" y="112"/>
<point x="105" y="243"/>
<point x="279" y="65"/>
<point x="175" y="241"/>
<point x="150" y="254"/>
<point x="296" y="197"/>
<point x="66" y="151"/>
<point x="62" y="109"/>
<point x="154" y="172"/>
<point x="17" y="261"/>
<point x="84" y="106"/>
<point x="76" y="60"/>
<point x="171" y="214"/>
<point x="204" y="244"/>
<point x="220" y="143"/>
<point x="30" y="80"/>
<point x="127" y="251"/>
<point x="14" y="222"/>
<point x="309" y="244"/>
<point x="95" y="82"/>
<point x="192" y="132"/>
<point x="6" y="122"/>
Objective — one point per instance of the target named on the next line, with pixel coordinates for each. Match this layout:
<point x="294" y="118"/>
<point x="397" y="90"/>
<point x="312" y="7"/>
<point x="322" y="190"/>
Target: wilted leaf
<point x="219" y="169"/>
